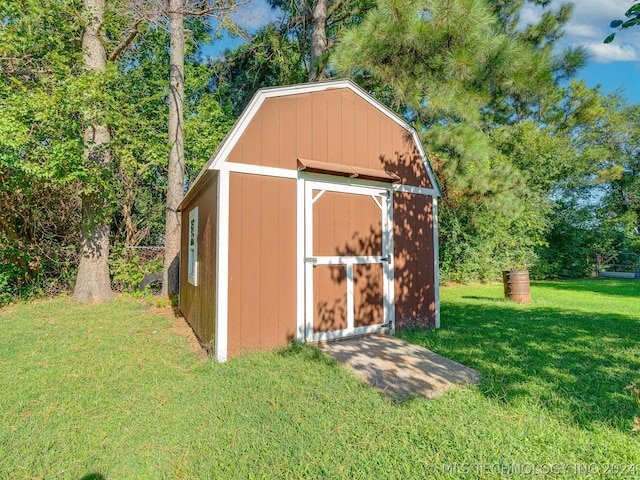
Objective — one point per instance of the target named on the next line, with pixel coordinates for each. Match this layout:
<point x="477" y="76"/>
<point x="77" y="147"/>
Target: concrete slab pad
<point x="398" y="368"/>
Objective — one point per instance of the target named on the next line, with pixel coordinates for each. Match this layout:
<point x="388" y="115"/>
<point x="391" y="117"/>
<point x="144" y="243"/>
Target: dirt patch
<point x="182" y="328"/>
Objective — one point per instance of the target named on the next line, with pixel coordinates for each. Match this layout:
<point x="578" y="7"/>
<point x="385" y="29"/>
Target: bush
<point x="129" y="266"/>
<point x="46" y="270"/>
<point x="34" y="270"/>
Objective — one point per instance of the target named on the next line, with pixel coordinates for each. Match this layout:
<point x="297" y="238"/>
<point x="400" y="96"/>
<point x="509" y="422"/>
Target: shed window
<point x="193" y="247"/>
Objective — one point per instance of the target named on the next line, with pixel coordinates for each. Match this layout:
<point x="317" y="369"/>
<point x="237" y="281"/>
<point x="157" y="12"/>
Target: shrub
<point x="129" y="266"/>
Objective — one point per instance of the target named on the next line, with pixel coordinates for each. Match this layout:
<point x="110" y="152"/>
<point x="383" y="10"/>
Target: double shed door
<point x="348" y="260"/>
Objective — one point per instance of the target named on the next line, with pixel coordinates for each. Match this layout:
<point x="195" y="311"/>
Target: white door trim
<point x="307" y="261"/>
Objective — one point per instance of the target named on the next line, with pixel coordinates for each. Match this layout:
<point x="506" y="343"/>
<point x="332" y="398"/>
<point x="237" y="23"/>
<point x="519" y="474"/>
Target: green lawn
<point x="111" y="391"/>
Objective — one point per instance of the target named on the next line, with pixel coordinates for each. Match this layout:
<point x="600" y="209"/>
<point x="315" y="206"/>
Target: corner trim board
<point x="300" y="266"/>
<point x="436" y="260"/>
<point x="222" y="281"/>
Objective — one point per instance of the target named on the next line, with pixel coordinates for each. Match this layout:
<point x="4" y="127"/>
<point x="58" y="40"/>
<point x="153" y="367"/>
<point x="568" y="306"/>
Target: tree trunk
<point x="318" y="40"/>
<point x="93" y="283"/>
<point x="175" y="174"/>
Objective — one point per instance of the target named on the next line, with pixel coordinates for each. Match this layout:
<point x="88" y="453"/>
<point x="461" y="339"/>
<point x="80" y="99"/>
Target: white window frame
<point x="192" y="248"/>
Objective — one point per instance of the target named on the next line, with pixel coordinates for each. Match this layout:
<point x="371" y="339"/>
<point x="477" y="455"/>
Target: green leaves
<point x="270" y="58"/>
<point x="47" y="99"/>
<point x="459" y="76"/>
<point x="633" y="14"/>
<point x="506" y="142"/>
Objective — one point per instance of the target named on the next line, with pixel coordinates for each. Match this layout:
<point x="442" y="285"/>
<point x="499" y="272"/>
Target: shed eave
<point x="201" y="180"/>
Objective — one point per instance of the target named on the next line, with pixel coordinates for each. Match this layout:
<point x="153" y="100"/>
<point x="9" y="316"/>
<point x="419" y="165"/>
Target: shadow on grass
<point x="93" y="476"/>
<point x="569" y="362"/>
<point x="489" y="299"/>
<point x="605" y="286"/>
<point x="307" y="352"/>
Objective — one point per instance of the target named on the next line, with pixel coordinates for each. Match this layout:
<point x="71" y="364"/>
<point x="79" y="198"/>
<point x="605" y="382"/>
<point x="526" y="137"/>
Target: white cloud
<point x="256" y="14"/>
<point x="598" y="12"/>
<point x="589" y="25"/>
<point x="582" y="31"/>
<point x="530" y="14"/>
<point x="612" y="52"/>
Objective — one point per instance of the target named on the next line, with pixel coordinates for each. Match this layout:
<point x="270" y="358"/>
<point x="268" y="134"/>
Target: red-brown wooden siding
<point x="262" y="262"/>
<point x="334" y="126"/>
<point x="368" y="295"/>
<point x="346" y="225"/>
<point x="330" y="298"/>
<point x="198" y="303"/>
<point x="413" y="267"/>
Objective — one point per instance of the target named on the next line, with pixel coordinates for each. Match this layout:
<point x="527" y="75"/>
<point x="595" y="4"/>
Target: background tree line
<point x="536" y="169"/>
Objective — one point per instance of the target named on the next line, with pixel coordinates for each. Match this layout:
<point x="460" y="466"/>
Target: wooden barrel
<point x="516" y="285"/>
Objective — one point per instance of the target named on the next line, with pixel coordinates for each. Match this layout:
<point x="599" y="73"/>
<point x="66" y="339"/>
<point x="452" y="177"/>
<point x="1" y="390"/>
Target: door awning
<point x="338" y="169"/>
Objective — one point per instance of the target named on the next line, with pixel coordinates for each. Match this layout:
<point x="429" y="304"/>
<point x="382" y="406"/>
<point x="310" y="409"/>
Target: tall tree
<point x="177" y="10"/>
<point x="176" y="168"/>
<point x="93" y="283"/>
<point x="48" y="97"/>
<point x="121" y="29"/>
<point x="318" y="40"/>
<point x="458" y="69"/>
<point x="291" y="50"/>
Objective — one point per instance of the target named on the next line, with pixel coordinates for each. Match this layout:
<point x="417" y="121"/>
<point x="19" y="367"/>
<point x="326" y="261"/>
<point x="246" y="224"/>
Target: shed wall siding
<point x="198" y="303"/>
<point x="414" y="260"/>
<point x="334" y="126"/>
<point x="262" y="262"/>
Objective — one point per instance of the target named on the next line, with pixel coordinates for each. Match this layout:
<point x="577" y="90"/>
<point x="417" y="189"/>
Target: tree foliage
<point x="280" y="53"/>
<point x="633" y="19"/>
<point x="44" y="100"/>
<point x="460" y="71"/>
<point x="270" y="58"/>
<point x="614" y="143"/>
<point x="41" y="164"/>
<point x="535" y="170"/>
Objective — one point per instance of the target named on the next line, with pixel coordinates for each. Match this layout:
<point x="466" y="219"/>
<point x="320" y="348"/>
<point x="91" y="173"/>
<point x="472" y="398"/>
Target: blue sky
<point x="615" y="66"/>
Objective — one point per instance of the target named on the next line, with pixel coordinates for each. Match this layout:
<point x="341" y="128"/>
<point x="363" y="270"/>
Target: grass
<point x="573" y="350"/>
<point x="110" y="391"/>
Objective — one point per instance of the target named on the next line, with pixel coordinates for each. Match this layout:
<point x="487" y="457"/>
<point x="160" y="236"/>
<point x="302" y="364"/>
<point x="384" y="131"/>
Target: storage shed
<point x="315" y="219"/>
